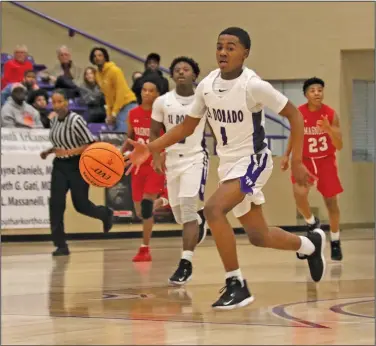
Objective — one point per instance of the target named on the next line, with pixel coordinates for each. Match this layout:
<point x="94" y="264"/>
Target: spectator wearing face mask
<point x="15" y="68"/>
<point x="152" y="64"/>
<point x="136" y="75"/>
<point x="17" y="113"/>
<point x="29" y="81"/>
<point x="39" y="100"/>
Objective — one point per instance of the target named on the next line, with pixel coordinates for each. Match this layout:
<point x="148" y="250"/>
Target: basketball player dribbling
<point x="233" y="98"/>
<point x="322" y="138"/>
<point x="186" y="161"/>
<point x="146" y="183"/>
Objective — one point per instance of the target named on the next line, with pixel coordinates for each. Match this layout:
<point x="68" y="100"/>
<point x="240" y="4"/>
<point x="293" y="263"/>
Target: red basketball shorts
<point x="146" y="181"/>
<point x="326" y="171"/>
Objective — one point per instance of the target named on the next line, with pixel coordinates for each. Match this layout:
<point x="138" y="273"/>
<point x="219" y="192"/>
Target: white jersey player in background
<point x="233" y="98"/>
<point x="186" y="161"/>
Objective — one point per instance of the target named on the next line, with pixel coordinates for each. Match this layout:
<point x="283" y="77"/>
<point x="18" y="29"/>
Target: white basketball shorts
<point x="186" y="176"/>
<point x="253" y="171"/>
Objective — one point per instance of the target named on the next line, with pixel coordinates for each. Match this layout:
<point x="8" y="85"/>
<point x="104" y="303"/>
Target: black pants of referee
<point x="66" y="176"/>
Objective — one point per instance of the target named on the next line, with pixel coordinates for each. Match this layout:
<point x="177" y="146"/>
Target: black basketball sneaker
<point x="235" y="295"/>
<point x="310" y="228"/>
<point x="316" y="261"/>
<point x="336" y="251"/>
<point x="183" y="274"/>
<point x="203" y="228"/>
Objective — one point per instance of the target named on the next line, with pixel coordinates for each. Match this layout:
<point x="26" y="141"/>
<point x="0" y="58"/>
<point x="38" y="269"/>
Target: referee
<point x="69" y="136"/>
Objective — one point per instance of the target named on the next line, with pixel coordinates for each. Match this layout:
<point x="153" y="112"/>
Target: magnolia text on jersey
<point x="226" y="116"/>
<point x="142" y="131"/>
<point x="313" y="130"/>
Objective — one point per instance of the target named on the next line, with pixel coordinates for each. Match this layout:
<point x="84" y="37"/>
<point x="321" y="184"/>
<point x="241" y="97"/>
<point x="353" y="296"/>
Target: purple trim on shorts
<point x="248" y="181"/>
<point x="204" y="175"/>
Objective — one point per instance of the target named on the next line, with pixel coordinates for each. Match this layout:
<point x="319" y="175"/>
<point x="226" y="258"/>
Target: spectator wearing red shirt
<point x="15" y="68"/>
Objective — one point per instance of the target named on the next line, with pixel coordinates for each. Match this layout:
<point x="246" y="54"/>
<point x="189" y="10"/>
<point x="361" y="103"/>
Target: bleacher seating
<point x="74" y="104"/>
<point x="37" y="67"/>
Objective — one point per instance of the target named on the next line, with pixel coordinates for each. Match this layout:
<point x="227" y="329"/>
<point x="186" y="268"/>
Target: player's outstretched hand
<point x="137" y="157"/>
<point x="301" y="174"/>
<point x="285" y="163"/>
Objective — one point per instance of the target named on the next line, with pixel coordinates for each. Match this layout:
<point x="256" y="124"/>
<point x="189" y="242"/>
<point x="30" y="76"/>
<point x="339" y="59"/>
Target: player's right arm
<point x="157" y="117"/>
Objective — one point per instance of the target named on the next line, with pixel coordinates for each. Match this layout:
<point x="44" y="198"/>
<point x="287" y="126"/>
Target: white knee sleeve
<point x="188" y="209"/>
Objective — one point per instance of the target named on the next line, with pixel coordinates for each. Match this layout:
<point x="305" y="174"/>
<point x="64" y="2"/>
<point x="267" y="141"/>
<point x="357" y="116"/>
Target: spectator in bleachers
<point x="65" y="74"/>
<point x="93" y="97"/>
<point x="29" y="81"/>
<point x="39" y="100"/>
<point x="17" y="113"/>
<point x="152" y="64"/>
<point x="136" y="75"/>
<point x="15" y="68"/>
<point x="119" y="97"/>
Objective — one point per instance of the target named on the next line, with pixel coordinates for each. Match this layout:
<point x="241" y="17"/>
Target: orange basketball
<point x="102" y="165"/>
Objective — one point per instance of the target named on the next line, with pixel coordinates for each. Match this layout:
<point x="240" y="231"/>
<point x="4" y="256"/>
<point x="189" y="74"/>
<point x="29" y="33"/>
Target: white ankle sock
<point x="334" y="236"/>
<point x="236" y="273"/>
<point x="143" y="245"/>
<point x="187" y="255"/>
<point x="311" y="220"/>
<point x="307" y="247"/>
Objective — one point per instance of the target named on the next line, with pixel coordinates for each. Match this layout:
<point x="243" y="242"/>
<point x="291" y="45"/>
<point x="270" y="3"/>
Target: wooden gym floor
<point x="98" y="296"/>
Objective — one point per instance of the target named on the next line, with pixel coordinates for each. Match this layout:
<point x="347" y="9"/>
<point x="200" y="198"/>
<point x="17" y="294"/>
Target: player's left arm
<point x="263" y="93"/>
<point x="333" y="130"/>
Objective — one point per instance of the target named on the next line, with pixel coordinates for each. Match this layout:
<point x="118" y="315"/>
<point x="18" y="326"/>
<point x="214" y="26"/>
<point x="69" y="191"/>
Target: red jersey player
<point x="322" y="138"/>
<point x="146" y="183"/>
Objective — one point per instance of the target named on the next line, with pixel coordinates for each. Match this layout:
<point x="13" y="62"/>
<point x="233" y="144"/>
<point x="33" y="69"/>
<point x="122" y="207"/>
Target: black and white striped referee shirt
<point x="70" y="133"/>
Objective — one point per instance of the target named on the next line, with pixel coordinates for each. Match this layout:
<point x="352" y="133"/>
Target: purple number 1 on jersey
<point x="224" y="136"/>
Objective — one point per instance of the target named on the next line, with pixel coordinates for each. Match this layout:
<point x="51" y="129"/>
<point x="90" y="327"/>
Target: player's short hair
<point x="240" y="33"/>
<point x="154" y="79"/>
<point x="103" y="50"/>
<point x="189" y="61"/>
<point x="312" y="81"/>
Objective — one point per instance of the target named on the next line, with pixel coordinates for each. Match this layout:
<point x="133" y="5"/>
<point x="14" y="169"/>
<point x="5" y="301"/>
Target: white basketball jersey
<point x="239" y="131"/>
<point x="174" y="114"/>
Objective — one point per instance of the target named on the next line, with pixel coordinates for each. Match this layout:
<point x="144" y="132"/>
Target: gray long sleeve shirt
<point x="14" y="115"/>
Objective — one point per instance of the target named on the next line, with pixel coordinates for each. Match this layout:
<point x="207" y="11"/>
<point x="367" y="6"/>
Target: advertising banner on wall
<point x="25" y="182"/>
<point x="25" y="179"/>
